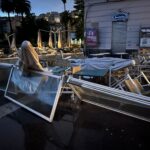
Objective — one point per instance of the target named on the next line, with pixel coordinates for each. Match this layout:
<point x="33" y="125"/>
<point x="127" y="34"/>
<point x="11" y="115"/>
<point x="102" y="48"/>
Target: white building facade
<point x="117" y="23"/>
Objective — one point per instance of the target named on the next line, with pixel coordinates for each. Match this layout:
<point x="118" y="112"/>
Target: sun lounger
<point x="135" y="86"/>
<point x="62" y="56"/>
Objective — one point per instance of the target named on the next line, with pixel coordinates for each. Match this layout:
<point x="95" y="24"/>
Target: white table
<point x="121" y="54"/>
<point x="99" y="54"/>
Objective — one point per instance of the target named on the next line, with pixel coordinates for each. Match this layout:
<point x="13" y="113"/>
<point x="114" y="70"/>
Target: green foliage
<point x="15" y="6"/>
<point x="79" y="11"/>
<point x="79" y="5"/>
<point x="22" y="7"/>
<point x="8" y="7"/>
<point x="28" y="30"/>
<point x="80" y="29"/>
<point x="44" y="25"/>
<point x="30" y="27"/>
<point x="65" y="18"/>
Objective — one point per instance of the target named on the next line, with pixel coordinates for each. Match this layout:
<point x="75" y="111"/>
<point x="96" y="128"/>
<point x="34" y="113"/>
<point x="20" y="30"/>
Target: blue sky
<point x="43" y="6"/>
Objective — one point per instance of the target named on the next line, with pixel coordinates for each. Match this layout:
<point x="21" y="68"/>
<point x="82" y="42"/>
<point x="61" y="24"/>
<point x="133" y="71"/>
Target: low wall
<point x="53" y="60"/>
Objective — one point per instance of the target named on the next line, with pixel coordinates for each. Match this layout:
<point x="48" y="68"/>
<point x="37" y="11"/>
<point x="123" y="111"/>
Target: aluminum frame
<point x="52" y="113"/>
<point x="113" y="95"/>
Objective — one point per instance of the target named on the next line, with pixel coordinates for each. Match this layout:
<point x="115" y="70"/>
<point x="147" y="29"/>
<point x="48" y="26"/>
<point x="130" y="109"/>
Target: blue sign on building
<point x="120" y="16"/>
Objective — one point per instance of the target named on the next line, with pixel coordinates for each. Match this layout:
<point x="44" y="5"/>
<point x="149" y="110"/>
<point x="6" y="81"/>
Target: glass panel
<point x="124" y="103"/>
<point x="4" y="75"/>
<point x="34" y="91"/>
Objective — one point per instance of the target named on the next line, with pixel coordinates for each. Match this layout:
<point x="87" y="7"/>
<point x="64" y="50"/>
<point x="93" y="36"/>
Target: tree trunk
<point x="11" y="29"/>
<point x="22" y="17"/>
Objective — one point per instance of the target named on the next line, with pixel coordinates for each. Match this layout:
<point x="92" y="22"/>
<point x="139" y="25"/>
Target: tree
<point x="44" y="25"/>
<point x="22" y="7"/>
<point x="8" y="7"/>
<point x="65" y="19"/>
<point x="28" y="29"/>
<point x="18" y="6"/>
<point x="64" y="2"/>
<point x="79" y="11"/>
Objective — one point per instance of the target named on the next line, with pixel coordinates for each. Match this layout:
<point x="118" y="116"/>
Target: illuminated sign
<point x="91" y="37"/>
<point x="120" y="16"/>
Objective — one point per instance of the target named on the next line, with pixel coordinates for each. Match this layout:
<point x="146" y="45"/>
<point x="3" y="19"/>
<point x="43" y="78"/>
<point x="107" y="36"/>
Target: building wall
<point x="100" y="12"/>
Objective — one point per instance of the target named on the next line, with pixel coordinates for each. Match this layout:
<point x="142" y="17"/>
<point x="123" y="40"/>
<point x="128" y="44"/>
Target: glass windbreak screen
<point x="4" y="75"/>
<point x="34" y="91"/>
<point x="112" y="101"/>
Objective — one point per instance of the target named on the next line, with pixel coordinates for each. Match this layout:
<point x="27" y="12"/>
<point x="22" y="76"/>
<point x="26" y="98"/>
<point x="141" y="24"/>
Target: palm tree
<point x="79" y="22"/>
<point x="65" y="20"/>
<point x="8" y="7"/>
<point x="64" y="2"/>
<point x="22" y="7"/>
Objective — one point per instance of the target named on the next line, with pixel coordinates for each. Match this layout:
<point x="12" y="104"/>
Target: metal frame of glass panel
<point x="58" y="92"/>
<point x="134" y="105"/>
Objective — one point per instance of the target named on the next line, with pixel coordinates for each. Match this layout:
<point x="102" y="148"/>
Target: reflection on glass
<point x="35" y="91"/>
<point x="4" y="75"/>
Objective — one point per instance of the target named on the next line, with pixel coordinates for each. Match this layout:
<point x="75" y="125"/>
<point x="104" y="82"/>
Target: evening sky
<point x="44" y="6"/>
